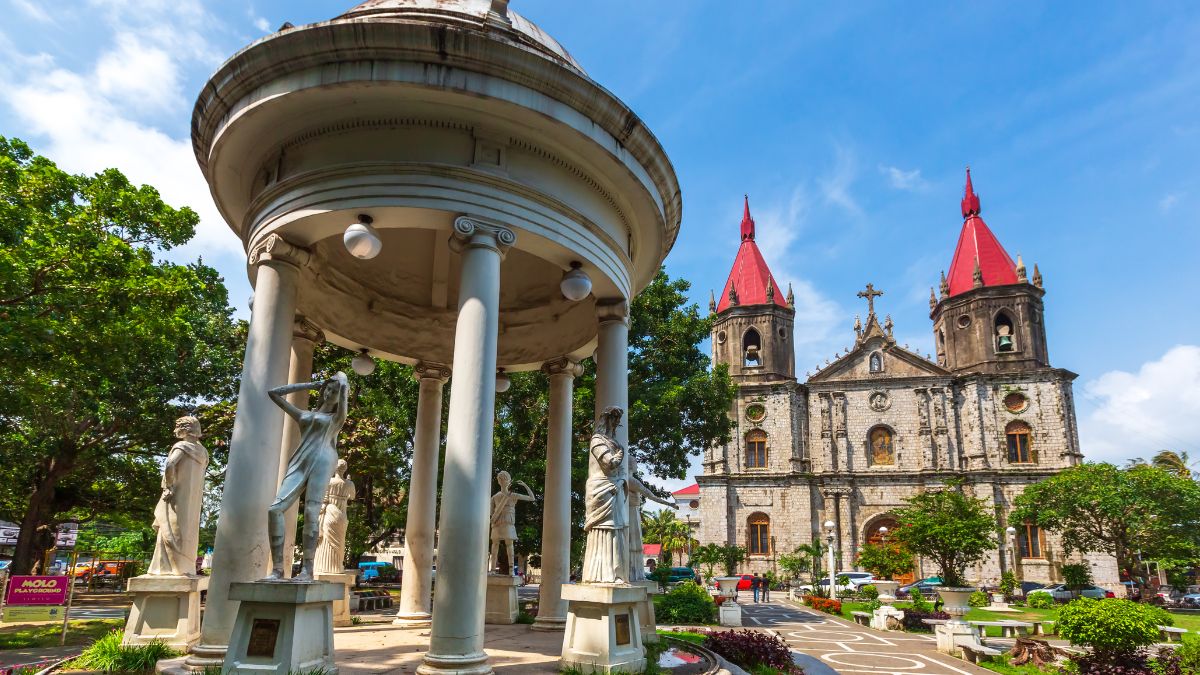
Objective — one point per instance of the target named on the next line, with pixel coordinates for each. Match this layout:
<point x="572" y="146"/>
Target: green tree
<point x="947" y="526"/>
<point x="1122" y="512"/>
<point x="794" y="564"/>
<point x="732" y="555"/>
<point x="663" y="528"/>
<point x="101" y="344"/>
<point x="814" y="553"/>
<point x="886" y="560"/>
<point x="708" y="557"/>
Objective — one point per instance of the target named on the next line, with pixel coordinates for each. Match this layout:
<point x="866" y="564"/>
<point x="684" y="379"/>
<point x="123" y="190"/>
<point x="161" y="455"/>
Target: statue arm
<point x="279" y="396"/>
<point x="528" y="496"/>
<point x="343" y="399"/>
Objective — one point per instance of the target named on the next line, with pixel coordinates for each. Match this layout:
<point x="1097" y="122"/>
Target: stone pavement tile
<point x="375" y="649"/>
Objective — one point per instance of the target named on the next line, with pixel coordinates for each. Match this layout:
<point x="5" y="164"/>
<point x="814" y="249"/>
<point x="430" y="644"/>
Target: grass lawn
<point x="31" y="636"/>
<point x="688" y="636"/>
<point x="1000" y="664"/>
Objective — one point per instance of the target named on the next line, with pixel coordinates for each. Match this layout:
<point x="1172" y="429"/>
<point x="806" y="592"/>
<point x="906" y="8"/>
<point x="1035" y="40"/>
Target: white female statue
<point x="309" y="468"/>
<point x="606" y="557"/>
<point x="504" y="519"/>
<point x="177" y="515"/>
<point x="637" y="493"/>
<point x="331" y="542"/>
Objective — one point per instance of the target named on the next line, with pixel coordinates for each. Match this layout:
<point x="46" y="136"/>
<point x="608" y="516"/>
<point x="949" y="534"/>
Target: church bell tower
<point x="988" y="316"/>
<point x="752" y="333"/>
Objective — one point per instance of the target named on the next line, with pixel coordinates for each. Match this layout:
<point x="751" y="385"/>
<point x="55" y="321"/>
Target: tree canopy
<point x="101" y="343"/>
<point x="951" y="528"/>
<point x="1123" y="512"/>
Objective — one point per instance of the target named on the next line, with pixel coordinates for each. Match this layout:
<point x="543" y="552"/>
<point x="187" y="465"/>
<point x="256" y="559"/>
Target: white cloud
<point x="1168" y="202"/>
<point x="903" y="180"/>
<point x="262" y="24"/>
<point x="32" y="10"/>
<point x="93" y="119"/>
<point x="1138" y="414"/>
<point x="835" y="186"/>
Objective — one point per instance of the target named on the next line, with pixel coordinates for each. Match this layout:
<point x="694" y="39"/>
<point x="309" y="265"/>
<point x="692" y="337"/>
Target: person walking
<point x="766" y="588"/>
<point x="755" y="584"/>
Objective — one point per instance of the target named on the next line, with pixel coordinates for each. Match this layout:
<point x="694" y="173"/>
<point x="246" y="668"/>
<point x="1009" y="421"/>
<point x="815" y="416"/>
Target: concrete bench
<point x="1168" y="632"/>
<point x="863" y="618"/>
<point x="1042" y="627"/>
<point x="1008" y="629"/>
<point x="972" y="653"/>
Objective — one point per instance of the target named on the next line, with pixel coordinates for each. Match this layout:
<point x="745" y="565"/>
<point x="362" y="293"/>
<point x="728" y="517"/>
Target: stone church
<point x="880" y="422"/>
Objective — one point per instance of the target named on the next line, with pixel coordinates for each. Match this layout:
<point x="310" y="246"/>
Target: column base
<point x="202" y="657"/>
<point x="603" y="632"/>
<point x="413" y="620"/>
<point x="501" y="599"/>
<point x="467" y="664"/>
<point x="549" y="624"/>
<point x="165" y="608"/>
<point x="341" y="607"/>
<point x="282" y="627"/>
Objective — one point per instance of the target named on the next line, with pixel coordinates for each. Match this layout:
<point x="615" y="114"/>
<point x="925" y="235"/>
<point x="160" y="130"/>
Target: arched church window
<point x="756" y="449"/>
<point x="1020" y="451"/>
<point x="881" y="446"/>
<point x="759" y="530"/>
<point x="876" y="362"/>
<point x="1029" y="541"/>
<point x="752" y="348"/>
<point x="1005" y="334"/>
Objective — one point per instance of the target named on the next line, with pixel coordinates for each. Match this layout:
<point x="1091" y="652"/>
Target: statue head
<point x="331" y="392"/>
<point x="341" y="467"/>
<point x="504" y="479"/>
<point x="610" y="419"/>
<point x="187" y="427"/>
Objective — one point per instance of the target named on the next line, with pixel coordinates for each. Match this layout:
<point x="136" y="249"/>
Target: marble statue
<point x="638" y="492"/>
<point x="309" y="469"/>
<point x="606" y="556"/>
<point x="331" y="541"/>
<point x="177" y="515"/>
<point x="504" y="519"/>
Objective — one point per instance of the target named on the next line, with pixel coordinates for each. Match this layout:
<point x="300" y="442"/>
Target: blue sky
<point x="849" y="127"/>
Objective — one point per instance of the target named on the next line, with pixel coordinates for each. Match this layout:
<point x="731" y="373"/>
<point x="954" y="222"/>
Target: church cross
<point x="870" y="294"/>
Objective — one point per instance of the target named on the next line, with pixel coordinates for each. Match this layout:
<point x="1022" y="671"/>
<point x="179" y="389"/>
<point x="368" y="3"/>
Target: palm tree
<point x="665" y="529"/>
<point x="814" y="552"/>
<point x="1173" y="462"/>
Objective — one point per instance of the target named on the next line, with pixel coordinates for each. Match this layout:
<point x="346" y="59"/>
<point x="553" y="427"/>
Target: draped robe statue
<point x="638" y="493"/>
<point x="177" y="515"/>
<point x="504" y="519"/>
<point x="331" y="542"/>
<point x="606" y="556"/>
<point x="309" y="469"/>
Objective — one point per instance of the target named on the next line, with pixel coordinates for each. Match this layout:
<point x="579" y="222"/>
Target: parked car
<point x="1190" y="600"/>
<point x="99" y="568"/>
<point x="681" y="574"/>
<point x="853" y="581"/>
<point x="374" y="571"/>
<point x="1060" y="592"/>
<point x="926" y="587"/>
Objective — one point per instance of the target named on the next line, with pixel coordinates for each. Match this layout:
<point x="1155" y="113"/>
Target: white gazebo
<point x="427" y="181"/>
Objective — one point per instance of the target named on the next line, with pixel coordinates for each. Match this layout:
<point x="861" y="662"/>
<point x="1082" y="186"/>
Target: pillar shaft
<point x="305" y="338"/>
<point x="612" y="366"/>
<point x="556" y="517"/>
<point x="422" y="500"/>
<point x="241" y="550"/>
<point x="456" y="635"/>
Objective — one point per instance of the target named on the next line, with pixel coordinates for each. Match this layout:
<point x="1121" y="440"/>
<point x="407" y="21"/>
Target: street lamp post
<point x="832" y="573"/>
<point x="689" y="538"/>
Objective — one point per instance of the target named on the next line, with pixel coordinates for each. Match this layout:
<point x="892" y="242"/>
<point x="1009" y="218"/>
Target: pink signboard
<point x="37" y="590"/>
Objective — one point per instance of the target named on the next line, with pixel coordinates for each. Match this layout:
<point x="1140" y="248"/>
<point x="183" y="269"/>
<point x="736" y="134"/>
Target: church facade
<point x="880" y="422"/>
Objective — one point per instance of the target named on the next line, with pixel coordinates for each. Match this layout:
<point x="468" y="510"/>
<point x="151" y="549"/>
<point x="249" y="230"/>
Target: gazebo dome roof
<point x="470" y="14"/>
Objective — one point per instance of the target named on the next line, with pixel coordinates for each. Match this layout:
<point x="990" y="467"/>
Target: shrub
<point x="752" y="649"/>
<point x="108" y="654"/>
<point x="1008" y="585"/>
<point x="919" y="603"/>
<point x="522" y="617"/>
<point x="1114" y="629"/>
<point x="913" y="618"/>
<point x="1076" y="576"/>
<point x="868" y="592"/>
<point x="1040" y="601"/>
<point x="823" y="604"/>
<point x="979" y="599"/>
<point x="686" y="603"/>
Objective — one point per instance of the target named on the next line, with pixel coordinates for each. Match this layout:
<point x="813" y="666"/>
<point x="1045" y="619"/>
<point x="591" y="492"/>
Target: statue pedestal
<point x="341" y="607"/>
<point x="165" y="608"/>
<point x="603" y="632"/>
<point x="646" y="611"/>
<point x="282" y="627"/>
<point x="501" y="599"/>
<point x="730" y="614"/>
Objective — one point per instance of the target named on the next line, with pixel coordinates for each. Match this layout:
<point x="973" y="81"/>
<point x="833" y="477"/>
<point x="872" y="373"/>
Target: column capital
<point x="424" y="370"/>
<point x="303" y="329"/>
<point x="471" y="232"/>
<point x="612" y="310"/>
<point x="563" y="366"/>
<point x="274" y="248"/>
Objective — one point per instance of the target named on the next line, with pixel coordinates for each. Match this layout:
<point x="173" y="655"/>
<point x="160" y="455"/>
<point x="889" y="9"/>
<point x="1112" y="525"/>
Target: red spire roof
<point x="750" y="277"/>
<point x="977" y="243"/>
<point x="693" y="489"/>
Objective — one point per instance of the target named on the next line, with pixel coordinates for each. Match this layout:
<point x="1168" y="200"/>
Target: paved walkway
<point x="850" y="648"/>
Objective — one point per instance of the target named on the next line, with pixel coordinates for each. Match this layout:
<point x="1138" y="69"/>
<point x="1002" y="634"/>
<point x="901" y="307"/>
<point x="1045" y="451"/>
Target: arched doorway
<point x="874" y="536"/>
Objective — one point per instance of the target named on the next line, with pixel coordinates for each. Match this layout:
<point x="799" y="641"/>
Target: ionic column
<point x="305" y="337"/>
<point x="556" y="517"/>
<point x="241" y="551"/>
<point x="456" y="636"/>
<point x="612" y="365"/>
<point x="422" y="499"/>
